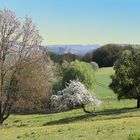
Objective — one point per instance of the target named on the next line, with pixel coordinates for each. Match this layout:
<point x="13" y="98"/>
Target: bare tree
<point x="35" y="85"/>
<point x="18" y="47"/>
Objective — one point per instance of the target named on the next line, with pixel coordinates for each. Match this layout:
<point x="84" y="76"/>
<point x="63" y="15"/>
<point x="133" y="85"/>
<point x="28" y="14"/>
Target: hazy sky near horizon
<point x="81" y="21"/>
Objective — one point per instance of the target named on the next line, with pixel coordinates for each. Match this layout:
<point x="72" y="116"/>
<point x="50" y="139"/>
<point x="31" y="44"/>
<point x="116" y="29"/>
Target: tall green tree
<point x="81" y="71"/>
<point x="126" y="81"/>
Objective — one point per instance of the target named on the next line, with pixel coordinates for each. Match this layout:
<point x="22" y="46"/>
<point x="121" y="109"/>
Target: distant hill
<point x="73" y="49"/>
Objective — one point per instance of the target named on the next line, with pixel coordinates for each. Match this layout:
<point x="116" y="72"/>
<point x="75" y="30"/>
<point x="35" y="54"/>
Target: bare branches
<point x="18" y="46"/>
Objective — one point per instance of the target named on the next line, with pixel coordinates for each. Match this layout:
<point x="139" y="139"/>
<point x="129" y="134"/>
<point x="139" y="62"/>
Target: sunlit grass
<point x="114" y="119"/>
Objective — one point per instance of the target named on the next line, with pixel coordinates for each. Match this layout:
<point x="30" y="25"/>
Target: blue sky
<point x="81" y="21"/>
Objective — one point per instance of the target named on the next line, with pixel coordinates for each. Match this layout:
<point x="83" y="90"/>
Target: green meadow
<point x="114" y="120"/>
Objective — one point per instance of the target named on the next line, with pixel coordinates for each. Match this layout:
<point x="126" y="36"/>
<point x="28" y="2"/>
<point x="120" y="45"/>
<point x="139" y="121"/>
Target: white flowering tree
<point x="74" y="95"/>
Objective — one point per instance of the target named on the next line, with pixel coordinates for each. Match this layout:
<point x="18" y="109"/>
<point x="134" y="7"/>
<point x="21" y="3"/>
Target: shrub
<point x="94" y="65"/>
<point x="35" y="84"/>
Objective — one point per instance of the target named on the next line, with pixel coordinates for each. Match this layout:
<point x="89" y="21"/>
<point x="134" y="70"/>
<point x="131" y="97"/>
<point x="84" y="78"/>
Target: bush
<point x="94" y="65"/>
<point x="81" y="71"/>
<point x="35" y="86"/>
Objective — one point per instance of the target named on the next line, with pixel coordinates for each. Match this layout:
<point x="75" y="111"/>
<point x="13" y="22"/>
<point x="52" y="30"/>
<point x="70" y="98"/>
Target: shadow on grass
<point x="88" y="116"/>
<point x="46" y="111"/>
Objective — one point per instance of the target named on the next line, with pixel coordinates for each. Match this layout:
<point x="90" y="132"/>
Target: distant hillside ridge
<point x="77" y="49"/>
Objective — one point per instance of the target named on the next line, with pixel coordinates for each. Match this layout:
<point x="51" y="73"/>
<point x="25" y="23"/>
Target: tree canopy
<point x="126" y="80"/>
<point x="81" y="71"/>
<point x="65" y="57"/>
<point x="106" y="55"/>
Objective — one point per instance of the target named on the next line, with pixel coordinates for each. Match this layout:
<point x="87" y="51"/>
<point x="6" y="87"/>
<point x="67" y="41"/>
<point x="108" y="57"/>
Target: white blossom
<point x="74" y="95"/>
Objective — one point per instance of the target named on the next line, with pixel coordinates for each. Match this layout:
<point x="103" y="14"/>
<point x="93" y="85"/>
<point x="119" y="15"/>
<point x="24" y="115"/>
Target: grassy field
<point x="115" y="120"/>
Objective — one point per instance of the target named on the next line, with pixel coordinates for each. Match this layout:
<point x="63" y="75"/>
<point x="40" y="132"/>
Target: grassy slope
<point x="115" y="120"/>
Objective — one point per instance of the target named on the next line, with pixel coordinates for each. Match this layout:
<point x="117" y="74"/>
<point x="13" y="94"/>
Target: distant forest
<point x="104" y="56"/>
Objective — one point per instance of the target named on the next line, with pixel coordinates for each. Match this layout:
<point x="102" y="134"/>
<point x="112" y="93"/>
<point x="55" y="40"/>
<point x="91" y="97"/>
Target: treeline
<point x="105" y="56"/>
<point x="65" y="57"/>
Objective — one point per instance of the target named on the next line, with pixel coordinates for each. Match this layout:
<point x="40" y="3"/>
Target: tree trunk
<point x="138" y="101"/>
<point x="84" y="109"/>
<point x="1" y="119"/>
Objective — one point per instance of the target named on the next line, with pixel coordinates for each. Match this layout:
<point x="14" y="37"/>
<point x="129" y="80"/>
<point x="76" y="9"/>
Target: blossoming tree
<point x="74" y="95"/>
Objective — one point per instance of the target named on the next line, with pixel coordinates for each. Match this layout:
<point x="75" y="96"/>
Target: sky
<point x="81" y="21"/>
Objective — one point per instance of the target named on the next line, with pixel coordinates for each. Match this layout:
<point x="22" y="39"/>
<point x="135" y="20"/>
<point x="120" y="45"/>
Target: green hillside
<point x="117" y="120"/>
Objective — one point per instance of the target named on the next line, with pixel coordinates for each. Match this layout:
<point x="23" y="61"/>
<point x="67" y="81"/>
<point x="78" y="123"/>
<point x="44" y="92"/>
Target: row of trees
<point x="106" y="55"/>
<point x="65" y="57"/>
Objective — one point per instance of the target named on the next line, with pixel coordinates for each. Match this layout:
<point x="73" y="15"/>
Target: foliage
<point x="134" y="136"/>
<point x="81" y="71"/>
<point x="61" y="62"/>
<point x="88" y="57"/>
<point x="74" y="95"/>
<point x="126" y="81"/>
<point x="65" y="57"/>
<point x="19" y="43"/>
<point x="106" y="55"/>
<point x="94" y="65"/>
<point x="35" y="83"/>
